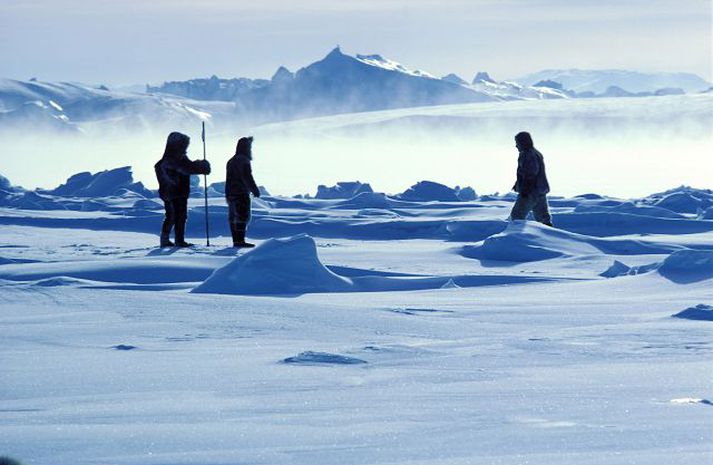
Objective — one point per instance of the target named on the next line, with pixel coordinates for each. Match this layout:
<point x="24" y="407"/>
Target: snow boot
<point x="238" y="233"/>
<point x="166" y="242"/>
<point x="180" y="230"/>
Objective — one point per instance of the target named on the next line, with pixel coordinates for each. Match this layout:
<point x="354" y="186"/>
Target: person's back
<point x="239" y="184"/>
<point x="531" y="173"/>
<point x="531" y="183"/>
<point x="173" y="172"/>
<point x="239" y="179"/>
<point x="174" y="176"/>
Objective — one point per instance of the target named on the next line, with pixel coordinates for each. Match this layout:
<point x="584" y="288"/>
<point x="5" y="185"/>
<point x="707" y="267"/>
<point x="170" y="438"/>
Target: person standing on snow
<point x="173" y="172"/>
<point x="239" y="184"/>
<point x="531" y="185"/>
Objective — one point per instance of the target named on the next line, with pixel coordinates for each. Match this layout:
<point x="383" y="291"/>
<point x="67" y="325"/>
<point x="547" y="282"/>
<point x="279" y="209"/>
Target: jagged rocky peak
<point x="282" y="75"/>
<point x="482" y="76"/>
<point x="455" y="79"/>
<point x="335" y="53"/>
<point x="549" y="84"/>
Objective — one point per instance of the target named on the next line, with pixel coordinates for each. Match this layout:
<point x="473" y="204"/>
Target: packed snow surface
<point x="362" y="330"/>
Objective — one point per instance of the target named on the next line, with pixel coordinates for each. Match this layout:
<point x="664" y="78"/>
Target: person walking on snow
<point x="173" y="172"/>
<point x="531" y="185"/>
<point x="239" y="184"/>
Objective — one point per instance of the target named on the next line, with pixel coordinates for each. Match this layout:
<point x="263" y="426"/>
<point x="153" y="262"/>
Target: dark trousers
<point x="176" y="216"/>
<point x="537" y="204"/>
<point x="239" y="213"/>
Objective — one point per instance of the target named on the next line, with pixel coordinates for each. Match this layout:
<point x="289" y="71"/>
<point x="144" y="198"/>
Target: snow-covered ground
<point x="393" y="332"/>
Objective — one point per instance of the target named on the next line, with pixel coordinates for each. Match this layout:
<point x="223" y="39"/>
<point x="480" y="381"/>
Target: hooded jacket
<point x="531" y="175"/>
<point x="174" y="170"/>
<point x="239" y="179"/>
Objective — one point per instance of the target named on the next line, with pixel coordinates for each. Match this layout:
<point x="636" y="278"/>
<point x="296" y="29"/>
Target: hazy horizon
<point x="151" y="42"/>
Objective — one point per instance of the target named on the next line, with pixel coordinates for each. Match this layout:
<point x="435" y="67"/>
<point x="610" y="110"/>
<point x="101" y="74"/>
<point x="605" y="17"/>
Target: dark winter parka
<point x="531" y="175"/>
<point x="174" y="170"/>
<point x="239" y="179"/>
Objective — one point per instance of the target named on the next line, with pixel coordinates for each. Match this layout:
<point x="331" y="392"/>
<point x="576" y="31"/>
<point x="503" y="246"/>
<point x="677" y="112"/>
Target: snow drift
<point x="276" y="267"/>
<point x="688" y="266"/>
<point x="343" y="190"/>
<point x="527" y="241"/>
<point x="701" y="312"/>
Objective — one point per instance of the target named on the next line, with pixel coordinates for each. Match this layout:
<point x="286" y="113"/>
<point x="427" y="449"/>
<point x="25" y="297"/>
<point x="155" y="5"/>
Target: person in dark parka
<point x="531" y="185"/>
<point x="173" y="172"/>
<point x="239" y="184"/>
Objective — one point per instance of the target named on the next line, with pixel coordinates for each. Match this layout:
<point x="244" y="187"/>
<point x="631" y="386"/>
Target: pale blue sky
<point x="138" y="41"/>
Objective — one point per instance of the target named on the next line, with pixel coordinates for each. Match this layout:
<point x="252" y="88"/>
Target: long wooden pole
<point x="205" y="190"/>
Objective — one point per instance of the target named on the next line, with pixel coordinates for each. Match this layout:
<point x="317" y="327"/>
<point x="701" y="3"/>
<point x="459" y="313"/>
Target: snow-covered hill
<point x="598" y="81"/>
<point x="338" y="83"/>
<point x="69" y="106"/>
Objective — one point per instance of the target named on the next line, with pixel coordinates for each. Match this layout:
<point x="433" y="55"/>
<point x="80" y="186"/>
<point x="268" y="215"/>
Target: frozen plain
<point x="435" y="334"/>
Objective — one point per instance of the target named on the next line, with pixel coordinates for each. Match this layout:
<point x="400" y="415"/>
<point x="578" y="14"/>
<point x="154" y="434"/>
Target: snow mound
<point x="343" y="190"/>
<point x="527" y="241"/>
<point x="59" y="281"/>
<point x="123" y="347"/>
<point x="630" y="208"/>
<point x="5" y="184"/>
<point x="699" y="312"/>
<point x="466" y="194"/>
<point x="427" y="191"/>
<point x="322" y="358"/>
<point x="370" y="200"/>
<point x="32" y="201"/>
<point x="682" y="199"/>
<point x="682" y="202"/>
<point x="450" y="284"/>
<point x="617" y="269"/>
<point x="621" y="269"/>
<point x="102" y="184"/>
<point x="688" y="266"/>
<point x="276" y="267"/>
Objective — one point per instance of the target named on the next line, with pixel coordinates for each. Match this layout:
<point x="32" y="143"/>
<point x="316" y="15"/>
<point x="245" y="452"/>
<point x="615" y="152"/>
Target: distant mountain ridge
<point x="598" y="81"/>
<point x="336" y="84"/>
<point x="341" y="83"/>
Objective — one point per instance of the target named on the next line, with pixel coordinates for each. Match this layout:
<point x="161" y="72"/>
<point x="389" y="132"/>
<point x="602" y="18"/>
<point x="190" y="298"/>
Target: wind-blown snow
<point x="391" y="65"/>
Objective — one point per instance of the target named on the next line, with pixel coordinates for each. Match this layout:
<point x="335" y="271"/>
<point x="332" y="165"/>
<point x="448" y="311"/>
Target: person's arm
<point x="249" y="180"/>
<point x="188" y="167"/>
<point x="530" y="170"/>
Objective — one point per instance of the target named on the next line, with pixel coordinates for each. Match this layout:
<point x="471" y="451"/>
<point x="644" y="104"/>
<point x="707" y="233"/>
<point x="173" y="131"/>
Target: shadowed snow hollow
<point x="277" y="266"/>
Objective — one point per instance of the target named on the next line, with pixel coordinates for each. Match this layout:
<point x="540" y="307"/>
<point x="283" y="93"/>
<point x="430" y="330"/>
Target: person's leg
<point x="521" y="208"/>
<point x="242" y="218"/>
<point x="168" y="222"/>
<point x="233" y="221"/>
<point x="541" y="211"/>
<point x="181" y="218"/>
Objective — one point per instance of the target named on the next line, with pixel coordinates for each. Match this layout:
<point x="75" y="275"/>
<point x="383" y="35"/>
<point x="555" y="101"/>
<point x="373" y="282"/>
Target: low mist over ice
<point x="625" y="147"/>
